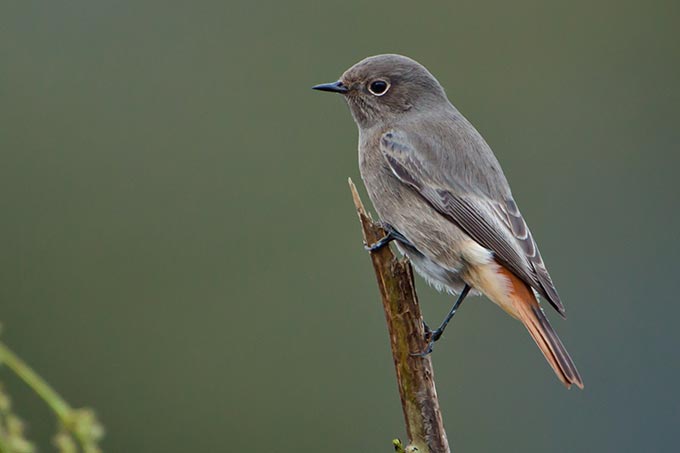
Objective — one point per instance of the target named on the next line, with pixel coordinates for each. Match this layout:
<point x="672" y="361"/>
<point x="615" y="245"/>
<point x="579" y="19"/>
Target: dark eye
<point x="379" y="87"/>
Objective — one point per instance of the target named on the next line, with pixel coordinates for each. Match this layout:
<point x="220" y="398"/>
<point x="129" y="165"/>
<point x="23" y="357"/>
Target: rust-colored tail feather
<point x="530" y="313"/>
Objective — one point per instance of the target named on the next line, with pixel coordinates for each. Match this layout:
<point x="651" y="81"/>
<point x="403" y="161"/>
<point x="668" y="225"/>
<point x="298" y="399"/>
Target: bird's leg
<point x="433" y="335"/>
<point x="390" y="235"/>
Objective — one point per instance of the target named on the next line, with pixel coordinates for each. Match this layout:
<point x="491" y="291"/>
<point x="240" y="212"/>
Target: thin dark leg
<point x="392" y="235"/>
<point x="435" y="335"/>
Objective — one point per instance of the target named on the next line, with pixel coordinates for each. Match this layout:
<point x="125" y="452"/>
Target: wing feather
<point x="497" y="225"/>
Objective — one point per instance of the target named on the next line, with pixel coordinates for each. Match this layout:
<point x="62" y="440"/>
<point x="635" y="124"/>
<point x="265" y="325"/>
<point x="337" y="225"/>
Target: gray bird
<point x="443" y="198"/>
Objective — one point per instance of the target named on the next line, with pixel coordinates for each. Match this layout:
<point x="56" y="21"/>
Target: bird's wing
<point x="496" y="224"/>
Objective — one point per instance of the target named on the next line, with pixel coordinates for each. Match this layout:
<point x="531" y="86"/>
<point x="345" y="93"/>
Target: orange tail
<point x="526" y="309"/>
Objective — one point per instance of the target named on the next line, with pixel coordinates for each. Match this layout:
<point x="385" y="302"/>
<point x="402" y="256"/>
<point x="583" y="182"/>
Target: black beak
<point x="333" y="87"/>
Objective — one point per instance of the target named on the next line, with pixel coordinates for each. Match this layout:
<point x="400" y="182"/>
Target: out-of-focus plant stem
<point x="79" y="423"/>
<point x="38" y="384"/>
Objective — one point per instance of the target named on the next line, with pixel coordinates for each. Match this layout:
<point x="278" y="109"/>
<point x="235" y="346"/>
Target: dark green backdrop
<point x="180" y="250"/>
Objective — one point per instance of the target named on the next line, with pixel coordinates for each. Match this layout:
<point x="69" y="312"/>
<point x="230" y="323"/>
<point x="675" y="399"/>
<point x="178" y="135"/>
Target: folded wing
<point x="495" y="223"/>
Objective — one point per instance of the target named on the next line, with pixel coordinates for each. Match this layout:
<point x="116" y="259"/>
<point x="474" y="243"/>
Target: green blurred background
<point x="180" y="250"/>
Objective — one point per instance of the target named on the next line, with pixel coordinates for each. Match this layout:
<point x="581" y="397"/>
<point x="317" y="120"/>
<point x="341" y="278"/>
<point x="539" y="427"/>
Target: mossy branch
<point x="415" y="377"/>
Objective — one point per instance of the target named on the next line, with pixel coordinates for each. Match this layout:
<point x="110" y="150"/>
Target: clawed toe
<point x="427" y="351"/>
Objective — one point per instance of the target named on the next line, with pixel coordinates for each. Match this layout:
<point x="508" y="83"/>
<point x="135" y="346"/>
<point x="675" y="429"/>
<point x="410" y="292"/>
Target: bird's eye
<point x="378" y="87"/>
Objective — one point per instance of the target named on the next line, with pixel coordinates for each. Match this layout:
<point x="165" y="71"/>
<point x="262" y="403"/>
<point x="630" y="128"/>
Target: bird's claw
<point x="430" y="337"/>
<point x="373" y="247"/>
<point x="427" y="351"/>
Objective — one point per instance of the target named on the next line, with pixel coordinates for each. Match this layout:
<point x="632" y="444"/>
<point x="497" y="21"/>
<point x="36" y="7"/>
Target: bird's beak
<point x="333" y="87"/>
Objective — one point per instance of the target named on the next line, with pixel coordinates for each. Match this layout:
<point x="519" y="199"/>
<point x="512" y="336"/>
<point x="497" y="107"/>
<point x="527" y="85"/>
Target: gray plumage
<point x="433" y="179"/>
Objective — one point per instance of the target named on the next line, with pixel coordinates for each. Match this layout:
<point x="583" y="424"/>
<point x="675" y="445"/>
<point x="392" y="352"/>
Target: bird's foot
<point x="390" y="235"/>
<point x="380" y="243"/>
<point x="431" y="336"/>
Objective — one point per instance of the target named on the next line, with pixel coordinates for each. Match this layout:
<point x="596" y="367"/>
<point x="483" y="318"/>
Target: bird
<point x="442" y="197"/>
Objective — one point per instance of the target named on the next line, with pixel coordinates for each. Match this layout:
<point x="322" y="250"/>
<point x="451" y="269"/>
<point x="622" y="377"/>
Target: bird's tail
<point x="526" y="309"/>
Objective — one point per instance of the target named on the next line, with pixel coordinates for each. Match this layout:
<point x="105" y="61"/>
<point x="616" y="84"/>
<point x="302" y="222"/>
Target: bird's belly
<point x="442" y="279"/>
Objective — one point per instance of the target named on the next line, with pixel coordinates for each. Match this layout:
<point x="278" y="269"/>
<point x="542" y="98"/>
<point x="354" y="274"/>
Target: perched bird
<point x="442" y="197"/>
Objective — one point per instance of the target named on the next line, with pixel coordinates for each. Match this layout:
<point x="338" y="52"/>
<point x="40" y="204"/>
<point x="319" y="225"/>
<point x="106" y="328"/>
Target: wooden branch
<point x="415" y="377"/>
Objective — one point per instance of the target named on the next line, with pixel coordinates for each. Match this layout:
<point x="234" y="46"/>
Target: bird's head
<point x="381" y="88"/>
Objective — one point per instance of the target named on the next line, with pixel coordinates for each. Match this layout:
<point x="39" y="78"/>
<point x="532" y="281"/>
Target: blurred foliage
<point x="12" y="432"/>
<point x="79" y="430"/>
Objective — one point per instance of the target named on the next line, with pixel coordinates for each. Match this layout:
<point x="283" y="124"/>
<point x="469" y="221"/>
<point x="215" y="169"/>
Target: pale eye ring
<point x="378" y="87"/>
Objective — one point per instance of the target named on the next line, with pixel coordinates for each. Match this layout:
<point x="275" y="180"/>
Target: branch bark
<point x="415" y="378"/>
